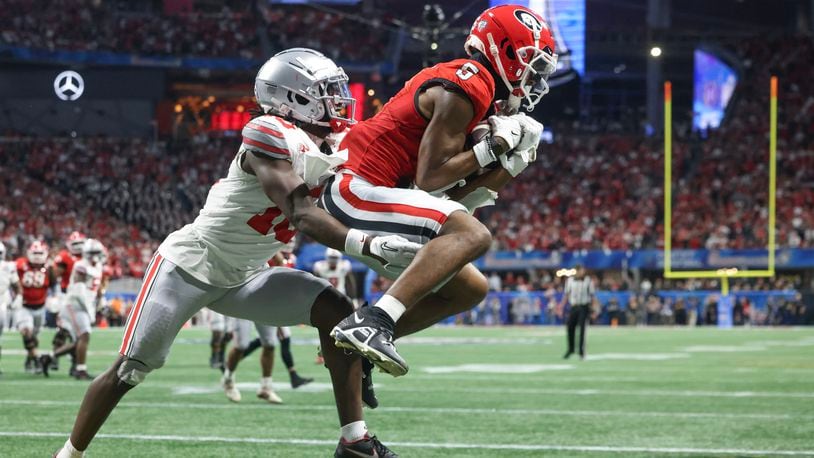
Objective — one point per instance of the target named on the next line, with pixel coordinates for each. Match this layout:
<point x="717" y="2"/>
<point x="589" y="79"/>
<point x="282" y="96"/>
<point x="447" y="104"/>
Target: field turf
<point x="473" y="392"/>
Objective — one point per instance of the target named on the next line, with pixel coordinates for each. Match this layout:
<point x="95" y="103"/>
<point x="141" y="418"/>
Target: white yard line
<point x="433" y="445"/>
<point x="395" y="388"/>
<point x="437" y="410"/>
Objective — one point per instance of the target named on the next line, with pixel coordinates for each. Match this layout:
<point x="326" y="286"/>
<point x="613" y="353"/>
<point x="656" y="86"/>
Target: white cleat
<point x="231" y="390"/>
<point x="269" y="395"/>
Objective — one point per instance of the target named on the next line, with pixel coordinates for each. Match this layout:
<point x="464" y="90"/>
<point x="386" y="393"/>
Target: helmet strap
<point x="495" y="51"/>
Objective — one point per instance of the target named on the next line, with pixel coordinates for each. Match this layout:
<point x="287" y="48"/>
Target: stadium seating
<point x="234" y="31"/>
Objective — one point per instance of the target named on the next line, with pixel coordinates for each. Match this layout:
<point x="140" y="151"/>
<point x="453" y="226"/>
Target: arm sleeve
<point x="263" y="136"/>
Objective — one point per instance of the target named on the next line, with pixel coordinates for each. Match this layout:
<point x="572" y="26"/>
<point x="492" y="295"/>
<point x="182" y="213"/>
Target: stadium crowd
<point x="237" y="30"/>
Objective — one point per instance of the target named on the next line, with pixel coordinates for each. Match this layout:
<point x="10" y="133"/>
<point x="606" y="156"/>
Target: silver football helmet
<point x="306" y="86"/>
<point x="94" y="251"/>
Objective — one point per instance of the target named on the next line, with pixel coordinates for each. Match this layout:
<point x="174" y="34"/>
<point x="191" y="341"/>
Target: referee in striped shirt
<point x="580" y="293"/>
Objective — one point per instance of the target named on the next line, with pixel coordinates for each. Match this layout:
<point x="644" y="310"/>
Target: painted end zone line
<point x="530" y="447"/>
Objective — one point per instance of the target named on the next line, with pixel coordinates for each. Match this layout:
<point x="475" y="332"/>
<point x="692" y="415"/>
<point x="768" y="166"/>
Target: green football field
<point x="470" y="392"/>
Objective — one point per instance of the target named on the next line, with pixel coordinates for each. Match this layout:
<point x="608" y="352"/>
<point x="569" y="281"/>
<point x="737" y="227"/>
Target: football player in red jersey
<point x="419" y="139"/>
<point x="36" y="277"/>
<point x="63" y="266"/>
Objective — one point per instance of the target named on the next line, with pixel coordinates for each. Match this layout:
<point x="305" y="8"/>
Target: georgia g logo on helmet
<point x="528" y="20"/>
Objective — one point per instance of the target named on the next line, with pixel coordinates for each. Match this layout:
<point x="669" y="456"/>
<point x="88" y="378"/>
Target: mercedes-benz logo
<point x="69" y="85"/>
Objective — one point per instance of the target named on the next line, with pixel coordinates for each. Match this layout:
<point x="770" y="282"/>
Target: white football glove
<point x="481" y="197"/>
<point x="532" y="130"/>
<point x="394" y="250"/>
<point x="508" y="128"/>
<point x="516" y="162"/>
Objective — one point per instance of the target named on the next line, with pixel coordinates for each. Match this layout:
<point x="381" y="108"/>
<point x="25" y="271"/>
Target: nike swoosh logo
<point x="514" y="132"/>
<point x="357" y="319"/>
<point x="386" y="247"/>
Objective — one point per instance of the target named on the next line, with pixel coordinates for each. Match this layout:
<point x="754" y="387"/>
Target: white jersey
<point x="239" y="228"/>
<point x="82" y="293"/>
<point x="336" y="275"/>
<point x="8" y="277"/>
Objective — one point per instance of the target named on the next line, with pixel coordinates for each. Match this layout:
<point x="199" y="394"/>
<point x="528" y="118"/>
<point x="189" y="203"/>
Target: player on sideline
<point x="36" y="277"/>
<point x="242" y="335"/>
<point x="63" y="266"/>
<point x="418" y="138"/>
<point x="220" y="260"/>
<point x="9" y="281"/>
<point x="84" y="292"/>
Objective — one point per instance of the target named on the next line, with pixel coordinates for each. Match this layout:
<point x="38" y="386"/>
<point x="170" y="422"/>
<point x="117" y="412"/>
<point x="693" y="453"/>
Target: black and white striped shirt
<point x="579" y="291"/>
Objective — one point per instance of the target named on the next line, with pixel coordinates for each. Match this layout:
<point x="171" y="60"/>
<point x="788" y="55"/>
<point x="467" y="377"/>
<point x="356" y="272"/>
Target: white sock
<point x="392" y="306"/>
<point x="228" y="375"/>
<point x="355" y="431"/>
<point x="69" y="451"/>
<point x="265" y="382"/>
<point x="82" y="367"/>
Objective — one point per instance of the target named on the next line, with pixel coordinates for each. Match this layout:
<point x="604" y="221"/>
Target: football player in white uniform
<point x="336" y="270"/>
<point x="242" y="337"/>
<point x="82" y="299"/>
<point x="9" y="281"/>
<point x="220" y="260"/>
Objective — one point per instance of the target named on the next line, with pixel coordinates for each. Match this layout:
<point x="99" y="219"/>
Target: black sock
<point x="285" y="353"/>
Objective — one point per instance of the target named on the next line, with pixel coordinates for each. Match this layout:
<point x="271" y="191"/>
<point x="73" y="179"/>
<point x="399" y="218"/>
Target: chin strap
<point x="495" y="52"/>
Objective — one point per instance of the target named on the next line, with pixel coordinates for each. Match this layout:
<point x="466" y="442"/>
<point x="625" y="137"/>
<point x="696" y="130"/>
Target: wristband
<point x="483" y="152"/>
<point x="355" y="242"/>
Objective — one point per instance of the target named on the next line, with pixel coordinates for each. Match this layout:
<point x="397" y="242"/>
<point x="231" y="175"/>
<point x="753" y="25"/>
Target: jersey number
<point x="32" y="279"/>
<point x="264" y="223"/>
<point x="466" y="71"/>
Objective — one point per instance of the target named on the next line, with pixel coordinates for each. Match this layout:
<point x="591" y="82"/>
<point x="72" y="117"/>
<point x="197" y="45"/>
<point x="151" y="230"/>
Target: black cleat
<point x="567" y="354"/>
<point x="297" y="381"/>
<point x="369" y="332"/>
<point x="45" y="362"/>
<point x="369" y="446"/>
<point x="368" y="394"/>
<point x="83" y="375"/>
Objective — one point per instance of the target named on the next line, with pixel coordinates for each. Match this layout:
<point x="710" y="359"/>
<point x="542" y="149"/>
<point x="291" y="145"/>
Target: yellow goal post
<point x="730" y="272"/>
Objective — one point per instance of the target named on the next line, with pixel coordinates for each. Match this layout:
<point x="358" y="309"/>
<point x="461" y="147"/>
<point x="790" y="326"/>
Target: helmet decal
<point x="528" y="20"/>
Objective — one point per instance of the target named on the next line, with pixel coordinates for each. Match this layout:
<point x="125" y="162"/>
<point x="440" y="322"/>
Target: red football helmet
<point x="37" y="253"/>
<point x="520" y="47"/>
<point x="75" y="242"/>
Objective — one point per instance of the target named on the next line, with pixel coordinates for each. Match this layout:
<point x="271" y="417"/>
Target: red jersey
<point x="67" y="260"/>
<point x="384" y="149"/>
<point x="35" y="281"/>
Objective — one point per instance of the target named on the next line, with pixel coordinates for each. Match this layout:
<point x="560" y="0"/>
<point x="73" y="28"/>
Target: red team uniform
<point x="66" y="260"/>
<point x="35" y="281"/>
<point x="384" y="149"/>
<point x="370" y="192"/>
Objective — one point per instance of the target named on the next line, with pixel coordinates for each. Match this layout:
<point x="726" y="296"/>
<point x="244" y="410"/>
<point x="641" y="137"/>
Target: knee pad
<point x="132" y="372"/>
<point x="61" y="337"/>
<point x="31" y="342"/>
